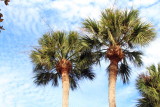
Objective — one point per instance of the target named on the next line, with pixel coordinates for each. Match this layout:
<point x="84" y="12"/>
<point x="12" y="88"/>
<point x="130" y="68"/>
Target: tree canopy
<point x="148" y="84"/>
<point x="123" y="28"/>
<point x="55" y="47"/>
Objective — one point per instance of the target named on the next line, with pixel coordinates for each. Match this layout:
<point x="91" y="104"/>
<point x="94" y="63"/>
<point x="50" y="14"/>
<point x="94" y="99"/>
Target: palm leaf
<point x="124" y="72"/>
<point x="135" y="57"/>
<point x="91" y="26"/>
<point x="43" y="78"/>
<point x="148" y="86"/>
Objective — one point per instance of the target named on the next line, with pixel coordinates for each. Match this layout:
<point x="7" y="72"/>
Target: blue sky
<point x="27" y="20"/>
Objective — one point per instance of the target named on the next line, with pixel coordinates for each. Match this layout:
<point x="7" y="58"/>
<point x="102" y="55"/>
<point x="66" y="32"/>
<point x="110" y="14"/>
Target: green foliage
<point x="124" y="72"/>
<point x="122" y="28"/>
<point x="148" y="85"/>
<point x="56" y="46"/>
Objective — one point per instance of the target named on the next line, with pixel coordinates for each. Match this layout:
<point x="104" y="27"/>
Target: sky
<point x="26" y="21"/>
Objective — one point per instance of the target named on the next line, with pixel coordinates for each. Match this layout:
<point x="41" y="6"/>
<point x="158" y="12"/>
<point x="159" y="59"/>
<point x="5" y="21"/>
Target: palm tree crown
<point x="54" y="49"/>
<point x="148" y="85"/>
<point x="116" y="36"/>
<point x="61" y="56"/>
<point x="119" y="33"/>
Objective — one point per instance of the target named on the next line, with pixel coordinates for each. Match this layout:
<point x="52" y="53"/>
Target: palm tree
<point x="117" y="36"/>
<point x="61" y="56"/>
<point x="148" y="85"/>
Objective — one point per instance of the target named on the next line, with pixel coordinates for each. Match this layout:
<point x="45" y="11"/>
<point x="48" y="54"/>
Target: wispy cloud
<point x="26" y="21"/>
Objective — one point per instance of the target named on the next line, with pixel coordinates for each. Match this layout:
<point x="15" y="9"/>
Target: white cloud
<point x="152" y="55"/>
<point x="17" y="89"/>
<point x="24" y="26"/>
<point x="139" y="3"/>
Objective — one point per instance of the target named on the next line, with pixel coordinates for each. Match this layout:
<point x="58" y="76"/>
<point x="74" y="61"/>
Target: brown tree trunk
<point x="65" y="88"/>
<point x="115" y="54"/>
<point x="113" y="70"/>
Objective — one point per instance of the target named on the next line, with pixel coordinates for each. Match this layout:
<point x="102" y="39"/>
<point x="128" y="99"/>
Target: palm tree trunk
<point x="65" y="86"/>
<point x="113" y="70"/>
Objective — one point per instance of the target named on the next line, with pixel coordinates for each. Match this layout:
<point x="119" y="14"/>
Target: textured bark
<point x="115" y="54"/>
<point x="65" y="86"/>
<point x="64" y="66"/>
<point x="113" y="70"/>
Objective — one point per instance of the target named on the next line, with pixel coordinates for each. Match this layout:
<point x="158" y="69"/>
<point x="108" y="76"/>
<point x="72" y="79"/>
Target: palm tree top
<point x="118" y="27"/>
<point x="118" y="34"/>
<point x="55" y="48"/>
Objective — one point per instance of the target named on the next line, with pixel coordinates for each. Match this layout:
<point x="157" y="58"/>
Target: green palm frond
<point x="142" y="34"/>
<point x="148" y="86"/>
<point x="82" y="73"/>
<point x="73" y="82"/>
<point x="110" y="37"/>
<point x="41" y="59"/>
<point x="87" y="73"/>
<point x="124" y="72"/>
<point x="111" y="20"/>
<point x="130" y="17"/>
<point x="144" y="102"/>
<point x="92" y="43"/>
<point x="55" y="46"/>
<point x="119" y="27"/>
<point x="152" y="69"/>
<point x="135" y="57"/>
<point x="43" y="78"/>
<point x="158" y="66"/>
<point x="91" y="26"/>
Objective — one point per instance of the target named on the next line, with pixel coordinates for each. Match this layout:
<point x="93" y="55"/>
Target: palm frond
<point x="144" y="102"/>
<point x="79" y="74"/>
<point x="116" y="26"/>
<point x="55" y="46"/>
<point x="84" y="73"/>
<point x="148" y="86"/>
<point x="135" y="57"/>
<point x="124" y="72"/>
<point x="130" y="19"/>
<point x="40" y="58"/>
<point x="87" y="73"/>
<point x="122" y="28"/>
<point x="43" y="78"/>
<point x="73" y="82"/>
<point x="158" y="67"/>
<point x="110" y="24"/>
<point x="91" y="26"/>
<point x="142" y="34"/>
<point x="92" y="42"/>
<point x="111" y="38"/>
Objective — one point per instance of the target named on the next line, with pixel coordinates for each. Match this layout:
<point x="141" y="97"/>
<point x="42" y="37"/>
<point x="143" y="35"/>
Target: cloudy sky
<point x="27" y="20"/>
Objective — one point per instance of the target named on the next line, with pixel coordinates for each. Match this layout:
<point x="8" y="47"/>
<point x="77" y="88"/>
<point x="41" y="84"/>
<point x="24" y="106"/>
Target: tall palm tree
<point x="148" y="85"/>
<point x="116" y="35"/>
<point x="61" y="56"/>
